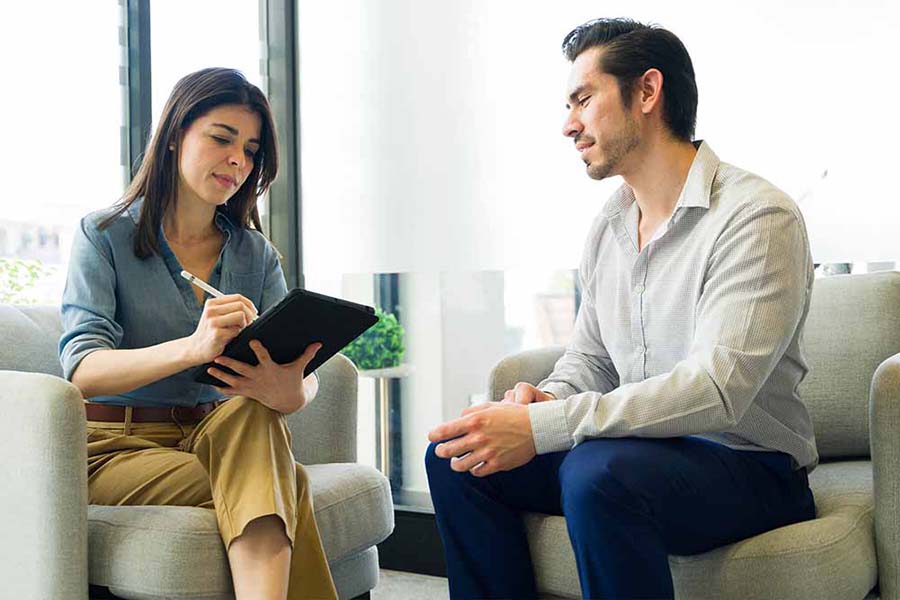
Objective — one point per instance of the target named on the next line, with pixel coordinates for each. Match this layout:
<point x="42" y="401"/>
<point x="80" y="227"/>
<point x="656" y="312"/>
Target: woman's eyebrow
<point x="233" y="131"/>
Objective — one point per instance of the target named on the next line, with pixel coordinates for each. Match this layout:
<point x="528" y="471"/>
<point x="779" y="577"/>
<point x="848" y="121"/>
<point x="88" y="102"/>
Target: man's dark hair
<point x="630" y="48"/>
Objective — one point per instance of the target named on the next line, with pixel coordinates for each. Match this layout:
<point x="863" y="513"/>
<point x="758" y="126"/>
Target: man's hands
<point x="276" y="386"/>
<point x="496" y="436"/>
<point x="525" y="393"/>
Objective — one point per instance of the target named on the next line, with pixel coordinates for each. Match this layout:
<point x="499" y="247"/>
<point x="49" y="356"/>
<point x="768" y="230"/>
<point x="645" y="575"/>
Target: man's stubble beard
<point x="615" y="150"/>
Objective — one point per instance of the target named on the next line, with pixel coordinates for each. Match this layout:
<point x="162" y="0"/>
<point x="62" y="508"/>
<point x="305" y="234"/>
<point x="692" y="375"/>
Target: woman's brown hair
<point x="157" y="178"/>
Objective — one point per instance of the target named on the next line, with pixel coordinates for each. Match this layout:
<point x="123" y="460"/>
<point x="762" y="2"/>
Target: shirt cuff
<point x="559" y="389"/>
<point x="548" y="426"/>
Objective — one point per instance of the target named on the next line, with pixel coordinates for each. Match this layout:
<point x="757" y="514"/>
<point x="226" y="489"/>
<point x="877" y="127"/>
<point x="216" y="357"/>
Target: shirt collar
<point x="695" y="192"/>
<point x="221" y="220"/>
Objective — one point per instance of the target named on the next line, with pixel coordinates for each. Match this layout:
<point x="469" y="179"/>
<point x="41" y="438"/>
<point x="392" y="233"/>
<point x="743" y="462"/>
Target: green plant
<point x="380" y="347"/>
<point x="17" y="276"/>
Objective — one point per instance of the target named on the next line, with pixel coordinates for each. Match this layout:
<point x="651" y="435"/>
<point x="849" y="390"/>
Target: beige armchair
<point x="853" y="392"/>
<point x="53" y="543"/>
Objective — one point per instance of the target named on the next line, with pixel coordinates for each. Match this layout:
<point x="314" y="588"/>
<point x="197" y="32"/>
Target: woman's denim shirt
<point x="115" y="300"/>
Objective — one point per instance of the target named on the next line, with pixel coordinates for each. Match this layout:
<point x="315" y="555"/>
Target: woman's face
<point x="217" y="154"/>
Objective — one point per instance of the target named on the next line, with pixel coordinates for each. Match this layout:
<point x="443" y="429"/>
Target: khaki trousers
<point x="236" y="461"/>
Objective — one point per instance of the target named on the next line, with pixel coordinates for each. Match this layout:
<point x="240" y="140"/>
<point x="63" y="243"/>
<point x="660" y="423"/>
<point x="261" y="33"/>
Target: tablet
<point x="286" y="329"/>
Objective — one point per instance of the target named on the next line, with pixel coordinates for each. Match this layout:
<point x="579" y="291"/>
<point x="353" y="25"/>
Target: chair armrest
<point x="43" y="506"/>
<point x="325" y="431"/>
<point x="530" y="366"/>
<point x="884" y="425"/>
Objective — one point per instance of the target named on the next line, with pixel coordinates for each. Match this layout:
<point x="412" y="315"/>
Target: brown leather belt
<point x="146" y="414"/>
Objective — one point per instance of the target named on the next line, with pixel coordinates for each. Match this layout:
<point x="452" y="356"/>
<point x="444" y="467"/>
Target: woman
<point x="134" y="328"/>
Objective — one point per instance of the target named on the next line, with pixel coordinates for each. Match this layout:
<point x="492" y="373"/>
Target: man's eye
<point x="583" y="101"/>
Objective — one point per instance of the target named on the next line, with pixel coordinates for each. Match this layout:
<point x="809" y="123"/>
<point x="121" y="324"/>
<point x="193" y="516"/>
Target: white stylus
<point x="206" y="287"/>
<point x="202" y="285"/>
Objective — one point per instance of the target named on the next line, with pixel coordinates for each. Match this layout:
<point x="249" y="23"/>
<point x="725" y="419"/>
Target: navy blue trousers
<point x="628" y="503"/>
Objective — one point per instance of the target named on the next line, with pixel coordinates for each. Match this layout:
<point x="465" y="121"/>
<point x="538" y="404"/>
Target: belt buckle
<point x="177" y="417"/>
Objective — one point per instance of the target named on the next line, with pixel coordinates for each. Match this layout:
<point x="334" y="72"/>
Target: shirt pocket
<point x="249" y="285"/>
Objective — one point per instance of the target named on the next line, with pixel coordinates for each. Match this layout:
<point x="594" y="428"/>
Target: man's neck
<point x="659" y="171"/>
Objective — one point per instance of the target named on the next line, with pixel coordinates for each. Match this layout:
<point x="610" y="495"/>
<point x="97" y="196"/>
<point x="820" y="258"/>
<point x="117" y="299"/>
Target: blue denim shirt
<point x="114" y="300"/>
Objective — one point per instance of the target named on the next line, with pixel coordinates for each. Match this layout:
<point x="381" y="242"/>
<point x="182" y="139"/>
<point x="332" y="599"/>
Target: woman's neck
<point x="189" y="222"/>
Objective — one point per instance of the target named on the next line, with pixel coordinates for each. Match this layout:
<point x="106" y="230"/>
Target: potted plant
<point x="380" y="347"/>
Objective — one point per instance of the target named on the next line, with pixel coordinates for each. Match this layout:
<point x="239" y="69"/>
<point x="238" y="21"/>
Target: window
<point x="62" y="154"/>
<point x="431" y="140"/>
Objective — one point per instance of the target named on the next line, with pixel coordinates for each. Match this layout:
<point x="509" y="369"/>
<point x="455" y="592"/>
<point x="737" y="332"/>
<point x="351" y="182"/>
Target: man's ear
<point x="649" y="90"/>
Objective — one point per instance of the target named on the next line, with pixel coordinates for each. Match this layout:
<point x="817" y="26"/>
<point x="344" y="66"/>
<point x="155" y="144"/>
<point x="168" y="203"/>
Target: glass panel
<point x="62" y="153"/>
<point x="431" y="142"/>
<point x="188" y="36"/>
<point x="457" y="326"/>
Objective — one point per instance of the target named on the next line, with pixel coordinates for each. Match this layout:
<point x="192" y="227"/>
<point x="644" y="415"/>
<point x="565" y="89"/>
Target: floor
<point x="398" y="585"/>
<point x="392" y="585"/>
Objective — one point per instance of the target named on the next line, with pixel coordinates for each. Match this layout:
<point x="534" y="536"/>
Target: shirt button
<point x="640" y="349"/>
<point x="639" y="288"/>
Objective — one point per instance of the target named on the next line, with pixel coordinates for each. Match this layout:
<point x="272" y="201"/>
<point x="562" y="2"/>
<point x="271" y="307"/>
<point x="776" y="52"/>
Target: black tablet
<point x="286" y="329"/>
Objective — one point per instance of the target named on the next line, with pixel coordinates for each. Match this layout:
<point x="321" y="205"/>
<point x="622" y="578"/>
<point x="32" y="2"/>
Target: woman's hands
<point x="276" y="386"/>
<point x="280" y="387"/>
<point x="222" y="320"/>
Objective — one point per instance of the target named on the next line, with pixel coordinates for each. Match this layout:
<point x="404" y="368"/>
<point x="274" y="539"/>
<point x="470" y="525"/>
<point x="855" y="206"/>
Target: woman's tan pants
<point x="236" y="461"/>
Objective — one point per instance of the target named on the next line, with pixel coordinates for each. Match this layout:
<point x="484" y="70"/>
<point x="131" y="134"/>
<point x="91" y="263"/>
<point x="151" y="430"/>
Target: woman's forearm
<point x="110" y="372"/>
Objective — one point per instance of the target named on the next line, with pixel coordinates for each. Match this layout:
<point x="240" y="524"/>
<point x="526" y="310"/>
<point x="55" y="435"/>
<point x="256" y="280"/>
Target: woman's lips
<point x="226" y="181"/>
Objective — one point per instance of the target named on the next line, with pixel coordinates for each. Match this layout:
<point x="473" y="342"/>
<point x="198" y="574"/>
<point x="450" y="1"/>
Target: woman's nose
<point x="236" y="159"/>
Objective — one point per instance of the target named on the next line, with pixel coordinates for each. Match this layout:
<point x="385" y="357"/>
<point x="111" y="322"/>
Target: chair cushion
<point x="151" y="552"/>
<point x="832" y="556"/>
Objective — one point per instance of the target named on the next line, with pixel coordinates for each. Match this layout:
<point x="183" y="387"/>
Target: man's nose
<point x="572" y="127"/>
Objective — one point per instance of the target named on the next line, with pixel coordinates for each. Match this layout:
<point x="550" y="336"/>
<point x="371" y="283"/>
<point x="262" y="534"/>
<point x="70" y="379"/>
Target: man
<point x="672" y="424"/>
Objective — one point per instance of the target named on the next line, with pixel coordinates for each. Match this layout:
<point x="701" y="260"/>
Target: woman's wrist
<point x="183" y="351"/>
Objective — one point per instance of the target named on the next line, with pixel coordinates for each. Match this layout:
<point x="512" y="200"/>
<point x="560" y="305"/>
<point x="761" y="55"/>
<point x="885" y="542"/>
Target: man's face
<point x="604" y="131"/>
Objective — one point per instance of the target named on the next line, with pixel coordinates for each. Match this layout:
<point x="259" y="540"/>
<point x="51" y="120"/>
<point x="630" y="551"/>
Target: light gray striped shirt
<point x="700" y="332"/>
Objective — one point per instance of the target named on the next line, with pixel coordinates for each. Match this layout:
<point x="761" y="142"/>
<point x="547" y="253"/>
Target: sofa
<point x="54" y="543"/>
<point x="851" y="550"/>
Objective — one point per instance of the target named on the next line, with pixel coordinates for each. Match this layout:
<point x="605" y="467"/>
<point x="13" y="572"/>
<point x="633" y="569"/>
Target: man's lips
<point x="582" y="146"/>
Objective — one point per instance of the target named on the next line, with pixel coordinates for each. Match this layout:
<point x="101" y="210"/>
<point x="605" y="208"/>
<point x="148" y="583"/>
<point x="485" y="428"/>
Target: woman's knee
<point x="302" y="477"/>
<point x="244" y="405"/>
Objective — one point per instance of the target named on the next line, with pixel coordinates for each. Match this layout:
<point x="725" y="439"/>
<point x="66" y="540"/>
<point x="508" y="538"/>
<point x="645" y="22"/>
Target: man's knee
<point x="434" y="463"/>
<point x="438" y="469"/>
<point x="604" y="475"/>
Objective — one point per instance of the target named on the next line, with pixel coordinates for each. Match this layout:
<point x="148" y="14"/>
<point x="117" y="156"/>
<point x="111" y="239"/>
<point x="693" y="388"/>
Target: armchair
<point x="54" y="543"/>
<point x="852" y="341"/>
